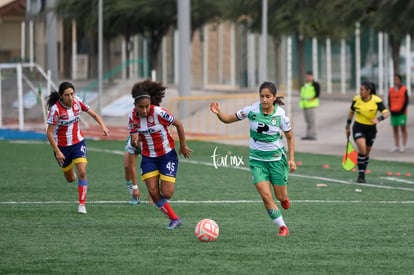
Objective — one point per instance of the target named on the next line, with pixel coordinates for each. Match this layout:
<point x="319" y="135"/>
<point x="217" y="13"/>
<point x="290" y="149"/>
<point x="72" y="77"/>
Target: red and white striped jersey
<point x="153" y="131"/>
<point x="66" y="119"/>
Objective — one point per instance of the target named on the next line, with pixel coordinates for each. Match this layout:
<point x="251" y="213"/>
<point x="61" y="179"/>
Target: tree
<point x="85" y="13"/>
<point x="298" y="17"/>
<point x="203" y="12"/>
<point x="316" y="18"/>
<point x="394" y="18"/>
<point x="151" y="19"/>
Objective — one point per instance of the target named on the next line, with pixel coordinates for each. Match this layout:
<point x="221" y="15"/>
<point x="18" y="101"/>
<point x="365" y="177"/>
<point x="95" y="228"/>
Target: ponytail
<point x="279" y="101"/>
<point x="55" y="96"/>
<point x="373" y="89"/>
<point x="370" y="86"/>
<point x="52" y="99"/>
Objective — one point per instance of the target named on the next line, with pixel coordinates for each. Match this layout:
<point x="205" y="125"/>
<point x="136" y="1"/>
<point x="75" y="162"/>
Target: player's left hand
<point x="105" y="131"/>
<point x="292" y="166"/>
<point x="375" y="120"/>
<point x="136" y="194"/>
<point x="215" y="107"/>
<point x="185" y="151"/>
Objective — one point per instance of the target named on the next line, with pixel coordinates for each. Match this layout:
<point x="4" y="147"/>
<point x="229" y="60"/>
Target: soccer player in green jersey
<point x="268" y="159"/>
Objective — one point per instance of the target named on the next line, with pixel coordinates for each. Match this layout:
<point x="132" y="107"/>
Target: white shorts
<point x="131" y="149"/>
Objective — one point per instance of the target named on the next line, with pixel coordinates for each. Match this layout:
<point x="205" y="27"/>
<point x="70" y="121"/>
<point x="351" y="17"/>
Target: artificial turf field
<point x="333" y="229"/>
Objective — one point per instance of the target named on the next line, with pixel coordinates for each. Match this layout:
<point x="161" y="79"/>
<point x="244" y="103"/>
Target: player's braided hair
<point x="147" y="88"/>
<point x="370" y="86"/>
<point x="54" y="96"/>
<point x="273" y="89"/>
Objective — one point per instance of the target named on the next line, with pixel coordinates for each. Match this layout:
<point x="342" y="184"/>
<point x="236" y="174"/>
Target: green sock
<point x="128" y="182"/>
<point x="273" y="213"/>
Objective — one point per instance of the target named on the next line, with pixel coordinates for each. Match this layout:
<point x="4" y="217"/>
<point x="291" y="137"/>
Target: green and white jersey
<point x="266" y="140"/>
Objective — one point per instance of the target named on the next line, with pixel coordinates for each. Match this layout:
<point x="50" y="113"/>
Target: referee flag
<point x="350" y="157"/>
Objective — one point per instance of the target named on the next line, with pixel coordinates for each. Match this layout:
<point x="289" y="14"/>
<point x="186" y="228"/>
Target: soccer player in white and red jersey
<point x="148" y="125"/>
<point x="66" y="138"/>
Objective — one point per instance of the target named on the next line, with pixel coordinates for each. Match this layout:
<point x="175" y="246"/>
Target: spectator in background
<point x="309" y="101"/>
<point x="398" y="102"/>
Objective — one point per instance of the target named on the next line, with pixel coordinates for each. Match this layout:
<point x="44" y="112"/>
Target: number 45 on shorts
<point x="170" y="166"/>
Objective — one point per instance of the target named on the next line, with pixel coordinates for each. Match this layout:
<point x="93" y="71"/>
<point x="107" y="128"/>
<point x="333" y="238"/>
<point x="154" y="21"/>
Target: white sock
<point x="130" y="189"/>
<point x="279" y="222"/>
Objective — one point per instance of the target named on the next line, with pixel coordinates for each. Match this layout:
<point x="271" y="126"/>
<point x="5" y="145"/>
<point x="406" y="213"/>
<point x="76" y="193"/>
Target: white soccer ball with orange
<point x="207" y="230"/>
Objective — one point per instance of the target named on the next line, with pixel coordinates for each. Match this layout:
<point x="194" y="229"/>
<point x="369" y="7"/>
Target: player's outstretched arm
<point x="184" y="150"/>
<point x="291" y="149"/>
<point x="98" y="119"/>
<point x="215" y="109"/>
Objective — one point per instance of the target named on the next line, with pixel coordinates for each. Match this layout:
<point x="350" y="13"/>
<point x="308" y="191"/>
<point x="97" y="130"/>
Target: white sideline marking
<point x="352" y="183"/>
<point x="399" y="180"/>
<point x="118" y="152"/>
<point x="208" y="202"/>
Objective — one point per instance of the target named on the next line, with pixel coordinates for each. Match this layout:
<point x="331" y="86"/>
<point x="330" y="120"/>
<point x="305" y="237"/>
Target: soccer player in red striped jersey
<point x="66" y="138"/>
<point x="148" y="125"/>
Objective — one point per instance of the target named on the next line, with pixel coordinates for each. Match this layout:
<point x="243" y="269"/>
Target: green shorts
<point x="274" y="171"/>
<point x="400" y="120"/>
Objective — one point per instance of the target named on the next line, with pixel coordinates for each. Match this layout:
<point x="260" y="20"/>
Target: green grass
<point x="333" y="228"/>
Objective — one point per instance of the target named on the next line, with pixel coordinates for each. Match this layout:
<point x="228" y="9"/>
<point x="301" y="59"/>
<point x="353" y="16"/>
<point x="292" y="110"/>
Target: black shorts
<point x="369" y="132"/>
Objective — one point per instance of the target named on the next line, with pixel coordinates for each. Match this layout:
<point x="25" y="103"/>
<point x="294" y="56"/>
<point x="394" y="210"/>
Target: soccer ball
<point x="207" y="230"/>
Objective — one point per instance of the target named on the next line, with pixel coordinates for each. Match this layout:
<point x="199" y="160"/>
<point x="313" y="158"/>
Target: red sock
<point x="167" y="210"/>
<point x="82" y="193"/>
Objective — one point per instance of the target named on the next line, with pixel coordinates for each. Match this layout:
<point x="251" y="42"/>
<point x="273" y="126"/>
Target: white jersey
<point x="266" y="140"/>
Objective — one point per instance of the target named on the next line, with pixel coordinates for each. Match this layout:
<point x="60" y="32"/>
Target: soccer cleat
<point x="174" y="224"/>
<point x="394" y="149"/>
<point x="134" y="201"/>
<point x="361" y="178"/>
<point x="283" y="231"/>
<point x="285" y="204"/>
<point x="82" y="209"/>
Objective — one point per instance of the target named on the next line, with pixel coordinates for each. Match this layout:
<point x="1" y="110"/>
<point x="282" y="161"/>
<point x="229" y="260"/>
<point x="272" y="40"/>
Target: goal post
<point x="9" y="101"/>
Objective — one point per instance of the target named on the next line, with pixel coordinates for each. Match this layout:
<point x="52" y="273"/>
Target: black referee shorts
<point x="369" y="132"/>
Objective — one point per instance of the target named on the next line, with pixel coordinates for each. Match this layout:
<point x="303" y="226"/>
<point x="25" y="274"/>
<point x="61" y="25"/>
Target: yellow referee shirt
<point x="365" y="111"/>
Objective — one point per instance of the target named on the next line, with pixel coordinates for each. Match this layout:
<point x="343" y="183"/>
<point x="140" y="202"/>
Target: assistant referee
<point x="365" y="106"/>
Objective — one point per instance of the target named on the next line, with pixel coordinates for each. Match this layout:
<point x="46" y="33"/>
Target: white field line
<point x="118" y="152"/>
<point x="210" y="202"/>
<point x="398" y="179"/>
